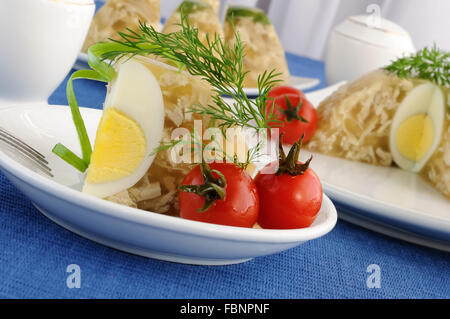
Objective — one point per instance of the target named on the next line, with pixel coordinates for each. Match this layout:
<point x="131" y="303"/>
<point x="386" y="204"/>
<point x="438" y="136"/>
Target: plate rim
<point x="394" y="231"/>
<point x="135" y="215"/>
<point x="348" y="194"/>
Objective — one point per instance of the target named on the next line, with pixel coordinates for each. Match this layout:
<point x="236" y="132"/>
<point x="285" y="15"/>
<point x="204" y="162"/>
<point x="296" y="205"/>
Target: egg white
<point x="136" y="93"/>
<point x="424" y="99"/>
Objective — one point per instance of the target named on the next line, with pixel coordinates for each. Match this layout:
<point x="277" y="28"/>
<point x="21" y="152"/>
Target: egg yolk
<point x="415" y="136"/>
<point x="119" y="148"/>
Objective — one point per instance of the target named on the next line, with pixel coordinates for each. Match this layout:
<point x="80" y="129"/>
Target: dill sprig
<point x="214" y="61"/>
<point x="428" y="64"/>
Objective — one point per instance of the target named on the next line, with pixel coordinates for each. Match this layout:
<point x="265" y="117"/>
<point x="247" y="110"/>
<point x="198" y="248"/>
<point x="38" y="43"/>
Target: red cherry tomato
<point x="296" y="113"/>
<point x="288" y="201"/>
<point x="290" y="192"/>
<point x="239" y="207"/>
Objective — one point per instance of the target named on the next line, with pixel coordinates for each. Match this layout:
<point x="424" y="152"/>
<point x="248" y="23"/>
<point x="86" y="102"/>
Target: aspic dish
<point x="399" y="115"/>
<point x="384" y="144"/>
<point x="119" y="226"/>
<point x="201" y="15"/>
<point x="384" y="199"/>
<point x="118" y="15"/>
<point x="131" y="163"/>
<point x="262" y="47"/>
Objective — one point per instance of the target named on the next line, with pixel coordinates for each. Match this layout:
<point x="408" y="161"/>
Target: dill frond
<point x="428" y="64"/>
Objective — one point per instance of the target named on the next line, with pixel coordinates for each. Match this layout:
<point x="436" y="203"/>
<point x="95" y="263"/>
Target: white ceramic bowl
<point x="356" y="47"/>
<point x="40" y="42"/>
<point x="129" y="229"/>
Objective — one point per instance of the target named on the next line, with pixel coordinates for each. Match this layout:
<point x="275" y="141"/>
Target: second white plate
<point x="384" y="199"/>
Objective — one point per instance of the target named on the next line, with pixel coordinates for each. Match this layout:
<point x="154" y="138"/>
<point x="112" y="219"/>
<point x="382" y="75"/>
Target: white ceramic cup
<point x="356" y="47"/>
<point x="40" y="40"/>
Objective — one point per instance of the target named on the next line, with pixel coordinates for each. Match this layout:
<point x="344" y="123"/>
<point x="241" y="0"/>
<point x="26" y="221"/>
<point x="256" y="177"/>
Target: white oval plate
<point x="300" y="83"/>
<point x="384" y="199"/>
<point x="129" y="229"/>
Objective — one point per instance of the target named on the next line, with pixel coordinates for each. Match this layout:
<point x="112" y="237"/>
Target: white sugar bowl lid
<point x="376" y="31"/>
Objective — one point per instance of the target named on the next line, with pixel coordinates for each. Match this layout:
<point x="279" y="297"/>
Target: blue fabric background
<point x="34" y="254"/>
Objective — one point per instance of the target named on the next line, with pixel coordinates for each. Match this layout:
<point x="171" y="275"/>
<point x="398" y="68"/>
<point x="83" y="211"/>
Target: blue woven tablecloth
<point x="35" y="253"/>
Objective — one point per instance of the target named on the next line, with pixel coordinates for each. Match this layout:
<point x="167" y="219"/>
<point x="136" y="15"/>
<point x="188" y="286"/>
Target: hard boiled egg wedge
<point x="130" y="129"/>
<point x="416" y="129"/>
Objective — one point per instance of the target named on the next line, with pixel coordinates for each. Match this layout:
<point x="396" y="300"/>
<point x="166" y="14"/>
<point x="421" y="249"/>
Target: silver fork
<point x="25" y="149"/>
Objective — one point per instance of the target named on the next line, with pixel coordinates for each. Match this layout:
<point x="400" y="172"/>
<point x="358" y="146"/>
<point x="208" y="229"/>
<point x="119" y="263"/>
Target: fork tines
<point x="26" y="150"/>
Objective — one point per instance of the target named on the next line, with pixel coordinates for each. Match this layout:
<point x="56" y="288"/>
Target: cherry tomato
<point x="240" y="205"/>
<point x="296" y="113"/>
<point x="290" y="194"/>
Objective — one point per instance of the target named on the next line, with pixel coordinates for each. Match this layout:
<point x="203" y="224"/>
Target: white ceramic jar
<point x="358" y="45"/>
<point x="40" y="42"/>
